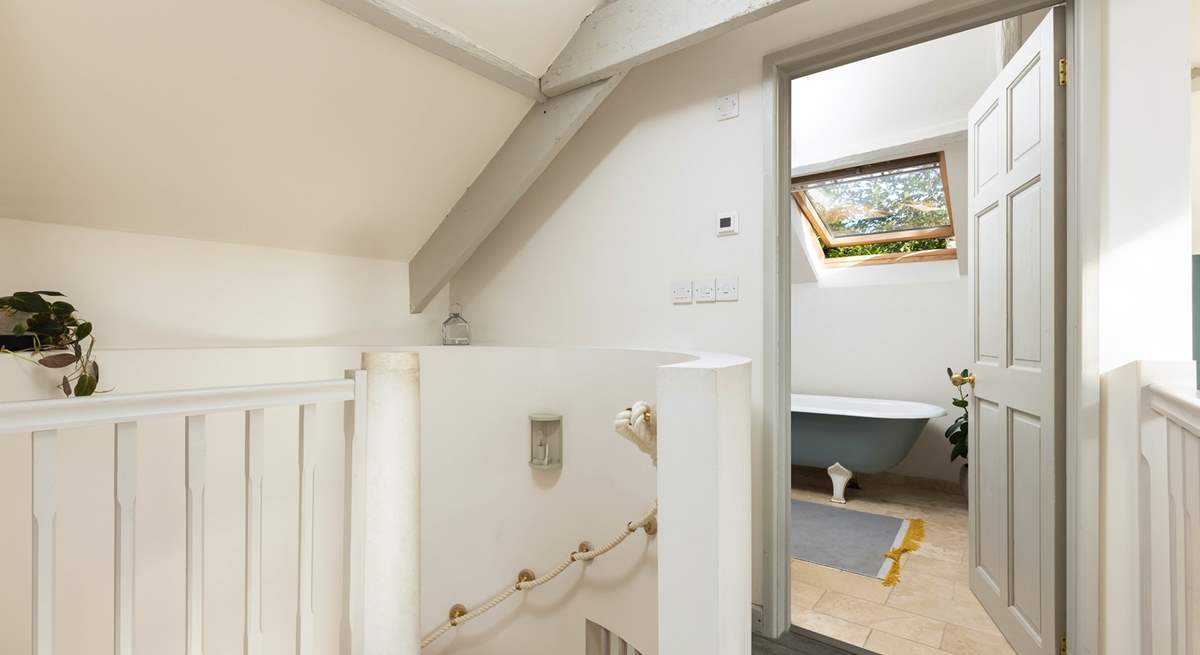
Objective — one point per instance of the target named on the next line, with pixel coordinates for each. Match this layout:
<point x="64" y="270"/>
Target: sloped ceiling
<point x="273" y="122"/>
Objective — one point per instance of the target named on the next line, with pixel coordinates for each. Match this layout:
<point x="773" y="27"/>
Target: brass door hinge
<point x="1062" y="646"/>
<point x="1062" y="72"/>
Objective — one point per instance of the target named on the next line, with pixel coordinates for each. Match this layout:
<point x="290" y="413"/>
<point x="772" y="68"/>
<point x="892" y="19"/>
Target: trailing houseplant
<point x="956" y="434"/>
<point x="45" y="331"/>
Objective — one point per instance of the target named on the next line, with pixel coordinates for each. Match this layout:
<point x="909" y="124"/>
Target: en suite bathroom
<point x="881" y="340"/>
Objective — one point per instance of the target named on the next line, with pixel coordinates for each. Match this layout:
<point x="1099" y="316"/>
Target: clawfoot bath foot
<point x="840" y="475"/>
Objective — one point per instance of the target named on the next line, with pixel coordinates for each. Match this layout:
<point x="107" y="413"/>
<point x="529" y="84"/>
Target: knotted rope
<point x="525" y="581"/>
<point x="639" y="426"/>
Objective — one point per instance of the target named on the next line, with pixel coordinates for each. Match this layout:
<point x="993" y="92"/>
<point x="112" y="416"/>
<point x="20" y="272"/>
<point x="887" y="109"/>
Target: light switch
<point x="727" y="107"/>
<point x="681" y="292"/>
<point x="727" y="288"/>
<point x="704" y="289"/>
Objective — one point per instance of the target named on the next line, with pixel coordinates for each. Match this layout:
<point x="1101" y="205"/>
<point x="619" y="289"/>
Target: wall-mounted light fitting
<point x="545" y="441"/>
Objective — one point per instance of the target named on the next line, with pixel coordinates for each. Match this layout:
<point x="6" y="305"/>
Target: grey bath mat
<point x="845" y="539"/>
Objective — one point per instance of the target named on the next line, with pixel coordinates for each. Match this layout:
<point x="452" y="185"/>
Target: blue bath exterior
<point x="863" y="445"/>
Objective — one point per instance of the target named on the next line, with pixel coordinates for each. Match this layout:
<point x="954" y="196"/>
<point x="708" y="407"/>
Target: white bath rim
<point x="864" y="407"/>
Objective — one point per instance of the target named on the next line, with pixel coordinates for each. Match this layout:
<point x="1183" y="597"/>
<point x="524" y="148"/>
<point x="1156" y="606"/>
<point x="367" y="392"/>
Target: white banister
<point x="381" y="533"/>
<point x="255" y="447"/>
<point x="1169" y="503"/>
<point x="354" y="419"/>
<point x="1151" y="545"/>
<point x="45" y="465"/>
<point x="195" y="472"/>
<point x="125" y="502"/>
<point x="392" y="575"/>
<point x="35" y="415"/>
<point x="306" y="538"/>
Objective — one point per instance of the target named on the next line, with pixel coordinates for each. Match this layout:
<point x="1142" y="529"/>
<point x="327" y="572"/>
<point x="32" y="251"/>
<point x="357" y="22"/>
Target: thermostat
<point x="727" y="224"/>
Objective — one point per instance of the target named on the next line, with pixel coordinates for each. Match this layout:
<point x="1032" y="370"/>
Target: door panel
<point x="1026" y="434"/>
<point x="989" y="285"/>
<point x="1017" y="224"/>
<point x="992" y="497"/>
<point x="1025" y="266"/>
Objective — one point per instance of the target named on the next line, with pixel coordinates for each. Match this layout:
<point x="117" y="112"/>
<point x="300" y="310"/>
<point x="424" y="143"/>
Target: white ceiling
<point x="275" y="122"/>
<point x="528" y="33"/>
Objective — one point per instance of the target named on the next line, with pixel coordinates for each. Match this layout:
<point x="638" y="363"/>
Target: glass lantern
<point x="456" y="331"/>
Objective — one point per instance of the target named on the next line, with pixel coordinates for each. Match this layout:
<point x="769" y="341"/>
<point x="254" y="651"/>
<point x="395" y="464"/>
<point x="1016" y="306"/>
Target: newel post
<point x="704" y="484"/>
<point x="392" y="508"/>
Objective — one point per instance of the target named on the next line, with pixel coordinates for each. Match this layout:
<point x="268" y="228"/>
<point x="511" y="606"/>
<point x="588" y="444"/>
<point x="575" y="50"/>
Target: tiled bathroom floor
<point x="930" y="612"/>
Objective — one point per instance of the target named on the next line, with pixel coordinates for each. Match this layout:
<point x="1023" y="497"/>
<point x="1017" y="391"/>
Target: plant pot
<point x="17" y="343"/>
<point x="962" y="480"/>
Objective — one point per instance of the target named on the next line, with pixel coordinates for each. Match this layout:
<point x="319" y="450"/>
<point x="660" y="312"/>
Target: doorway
<point x="813" y="188"/>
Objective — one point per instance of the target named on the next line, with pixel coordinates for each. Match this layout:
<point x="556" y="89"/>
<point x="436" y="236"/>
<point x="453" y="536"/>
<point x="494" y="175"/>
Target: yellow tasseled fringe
<point x="912" y="541"/>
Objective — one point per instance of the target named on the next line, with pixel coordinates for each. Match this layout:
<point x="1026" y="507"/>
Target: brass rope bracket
<point x="457" y="612"/>
<point x="525" y="576"/>
<point x="651" y="527"/>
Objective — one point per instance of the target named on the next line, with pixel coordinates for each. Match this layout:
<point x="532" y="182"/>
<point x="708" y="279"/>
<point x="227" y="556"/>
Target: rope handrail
<point x="526" y="580"/>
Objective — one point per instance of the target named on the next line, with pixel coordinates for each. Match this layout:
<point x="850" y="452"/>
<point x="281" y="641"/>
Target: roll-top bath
<point x="855" y="435"/>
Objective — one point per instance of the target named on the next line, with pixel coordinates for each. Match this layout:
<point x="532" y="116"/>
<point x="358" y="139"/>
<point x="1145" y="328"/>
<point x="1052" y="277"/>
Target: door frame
<point x="925" y="22"/>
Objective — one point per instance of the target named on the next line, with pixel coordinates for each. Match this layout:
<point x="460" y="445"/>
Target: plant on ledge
<point x="956" y="434"/>
<point x="47" y="333"/>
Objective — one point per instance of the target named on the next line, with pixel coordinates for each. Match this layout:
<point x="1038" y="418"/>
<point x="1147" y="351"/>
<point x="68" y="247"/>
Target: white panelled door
<point x="1017" y="238"/>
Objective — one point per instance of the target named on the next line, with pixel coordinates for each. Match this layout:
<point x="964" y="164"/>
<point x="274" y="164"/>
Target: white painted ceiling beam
<point x="391" y="17"/>
<point x="536" y="141"/>
<point x="625" y="33"/>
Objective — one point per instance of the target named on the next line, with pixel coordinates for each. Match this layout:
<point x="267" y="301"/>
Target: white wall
<point x="485" y="514"/>
<point x="891" y="331"/>
<point x="1145" y="222"/>
<point x="588" y="255"/>
<point x="892" y="99"/>
<point x="887" y="340"/>
<point x="145" y="291"/>
<point x="1195" y="161"/>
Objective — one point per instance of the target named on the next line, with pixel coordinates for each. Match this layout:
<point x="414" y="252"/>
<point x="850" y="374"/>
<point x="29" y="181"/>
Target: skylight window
<point x="895" y="208"/>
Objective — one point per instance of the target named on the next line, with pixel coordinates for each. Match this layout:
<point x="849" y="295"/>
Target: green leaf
<point x="78" y="351"/>
<point x="61" y="360"/>
<point x="46" y="329"/>
<point x="965" y="372"/>
<point x="949" y="373"/>
<point x="62" y="307"/>
<point x="960" y="450"/>
<point x="18" y="329"/>
<point x="959" y="402"/>
<point x="66" y="387"/>
<point x="54" y="294"/>
<point x="85" y="385"/>
<point x="25" y="304"/>
<point x="83" y="331"/>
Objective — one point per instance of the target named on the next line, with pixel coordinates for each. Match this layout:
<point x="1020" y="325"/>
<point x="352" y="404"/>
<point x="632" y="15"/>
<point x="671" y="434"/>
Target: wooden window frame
<point x="830" y="241"/>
